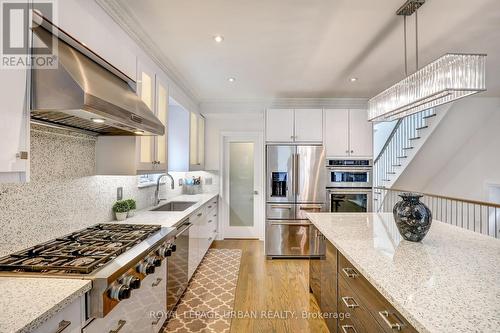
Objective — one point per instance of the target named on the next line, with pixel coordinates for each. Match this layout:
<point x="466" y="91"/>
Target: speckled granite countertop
<point x="27" y="303"/>
<point x="450" y="282"/>
<point x="170" y="219"/>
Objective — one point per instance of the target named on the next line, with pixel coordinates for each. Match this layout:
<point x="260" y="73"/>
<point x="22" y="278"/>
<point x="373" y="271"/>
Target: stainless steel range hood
<point x="85" y="87"/>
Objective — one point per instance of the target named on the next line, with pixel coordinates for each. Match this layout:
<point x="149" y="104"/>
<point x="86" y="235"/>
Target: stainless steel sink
<point x="174" y="206"/>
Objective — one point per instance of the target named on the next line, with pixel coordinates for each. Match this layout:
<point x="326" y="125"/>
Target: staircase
<point x="404" y="142"/>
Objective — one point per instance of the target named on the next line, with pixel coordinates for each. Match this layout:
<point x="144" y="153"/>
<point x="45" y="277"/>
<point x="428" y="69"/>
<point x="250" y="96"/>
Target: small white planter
<point x="131" y="213"/>
<point x="121" y="216"/>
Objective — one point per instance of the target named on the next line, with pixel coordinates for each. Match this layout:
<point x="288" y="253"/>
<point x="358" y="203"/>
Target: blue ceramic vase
<point x="412" y="217"/>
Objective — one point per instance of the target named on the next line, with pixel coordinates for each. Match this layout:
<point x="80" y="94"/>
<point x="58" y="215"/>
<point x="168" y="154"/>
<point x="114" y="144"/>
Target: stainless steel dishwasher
<point x="177" y="272"/>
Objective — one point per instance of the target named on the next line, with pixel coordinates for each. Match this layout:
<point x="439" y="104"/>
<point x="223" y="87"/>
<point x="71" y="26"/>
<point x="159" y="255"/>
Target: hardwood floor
<point x="272" y="288"/>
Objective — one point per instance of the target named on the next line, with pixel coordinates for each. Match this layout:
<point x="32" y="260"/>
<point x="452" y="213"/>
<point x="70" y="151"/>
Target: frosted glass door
<point x="241" y="184"/>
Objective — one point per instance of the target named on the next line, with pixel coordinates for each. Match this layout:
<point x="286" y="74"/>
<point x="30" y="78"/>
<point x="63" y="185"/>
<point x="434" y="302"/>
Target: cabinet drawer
<point x="211" y="204"/>
<point x="349" y="302"/>
<point x="277" y="211"/>
<point x="346" y="325"/>
<point x="389" y="319"/>
<point x="69" y="320"/>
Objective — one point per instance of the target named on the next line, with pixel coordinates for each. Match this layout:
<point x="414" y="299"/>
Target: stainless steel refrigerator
<point x="295" y="184"/>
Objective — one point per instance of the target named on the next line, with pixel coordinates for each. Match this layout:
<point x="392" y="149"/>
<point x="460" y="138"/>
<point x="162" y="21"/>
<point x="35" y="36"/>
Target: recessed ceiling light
<point x="353" y="79"/>
<point x="218" y="38"/>
<point x="97" y="120"/>
<point x="139" y="132"/>
<point x="231" y="79"/>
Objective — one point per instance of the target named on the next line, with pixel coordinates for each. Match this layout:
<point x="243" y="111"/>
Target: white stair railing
<point x="391" y="161"/>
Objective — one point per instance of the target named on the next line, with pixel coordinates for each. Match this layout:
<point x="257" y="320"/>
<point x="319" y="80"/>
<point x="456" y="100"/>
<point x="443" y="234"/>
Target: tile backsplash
<point x="64" y="195"/>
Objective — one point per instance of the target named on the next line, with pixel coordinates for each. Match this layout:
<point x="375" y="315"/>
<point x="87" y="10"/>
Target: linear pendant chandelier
<point x="450" y="77"/>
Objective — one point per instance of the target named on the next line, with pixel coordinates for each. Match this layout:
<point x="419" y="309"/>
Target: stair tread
<point x="386" y="180"/>
<point x="402" y="157"/>
<point x="408" y="148"/>
<point x="415" y="138"/>
<point x="430" y="116"/>
<point x="391" y="173"/>
<point x="396" y="165"/>
<point x="423" y="127"/>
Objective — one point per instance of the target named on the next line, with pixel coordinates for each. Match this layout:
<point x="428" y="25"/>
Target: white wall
<point x="462" y="156"/>
<point x="381" y="132"/>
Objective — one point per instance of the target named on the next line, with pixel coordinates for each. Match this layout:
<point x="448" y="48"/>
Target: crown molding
<point x="127" y="21"/>
<point x="260" y="105"/>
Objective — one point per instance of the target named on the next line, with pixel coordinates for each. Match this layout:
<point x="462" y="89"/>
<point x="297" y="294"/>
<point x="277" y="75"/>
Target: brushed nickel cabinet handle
<point x="157" y="282"/>
<point x="385" y="317"/>
<point x="121" y="323"/>
<point x="199" y="214"/>
<point x="210" y="221"/>
<point x="209" y="207"/>
<point x="64" y="324"/>
<point x="350" y="272"/>
<point x="348" y="328"/>
<point x="350" y="302"/>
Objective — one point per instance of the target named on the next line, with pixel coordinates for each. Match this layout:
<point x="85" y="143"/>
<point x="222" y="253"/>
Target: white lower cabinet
<point x="201" y="234"/>
<point x="139" y="313"/>
<point x="69" y="320"/>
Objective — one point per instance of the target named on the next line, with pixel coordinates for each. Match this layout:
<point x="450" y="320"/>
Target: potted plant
<point x="121" y="209"/>
<point x="132" y="206"/>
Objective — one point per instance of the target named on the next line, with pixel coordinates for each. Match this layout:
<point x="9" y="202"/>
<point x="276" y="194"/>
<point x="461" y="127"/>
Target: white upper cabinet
<point x="348" y="133"/>
<point x="152" y="150"/>
<point x="299" y="125"/>
<point x="279" y="125"/>
<point x="360" y="134"/>
<point x="337" y="132"/>
<point x="308" y="125"/>
<point x="196" y="142"/>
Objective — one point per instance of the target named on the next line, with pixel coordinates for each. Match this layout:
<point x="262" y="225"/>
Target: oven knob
<point x="131" y="281"/>
<point x="145" y="268"/>
<point x="154" y="260"/>
<point x="119" y="292"/>
<point x="173" y="247"/>
<point x="164" y="251"/>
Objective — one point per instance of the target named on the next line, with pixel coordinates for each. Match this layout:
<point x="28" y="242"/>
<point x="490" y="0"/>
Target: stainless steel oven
<point x="349" y="173"/>
<point x="349" y="200"/>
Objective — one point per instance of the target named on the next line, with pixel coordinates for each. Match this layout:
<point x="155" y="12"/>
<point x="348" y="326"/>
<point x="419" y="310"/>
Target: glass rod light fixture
<point x="452" y="76"/>
<point x="444" y="80"/>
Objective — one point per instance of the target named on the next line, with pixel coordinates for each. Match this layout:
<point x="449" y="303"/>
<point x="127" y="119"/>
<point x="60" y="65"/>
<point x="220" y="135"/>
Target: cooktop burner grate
<point x="81" y="252"/>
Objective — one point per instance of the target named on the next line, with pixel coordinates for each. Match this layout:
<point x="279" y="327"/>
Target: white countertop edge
<point x="400" y="307"/>
<point x="40" y="320"/>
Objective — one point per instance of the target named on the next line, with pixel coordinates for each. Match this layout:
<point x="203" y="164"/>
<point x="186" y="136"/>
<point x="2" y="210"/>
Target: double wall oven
<point x="295" y="185"/>
<point x="349" y="185"/>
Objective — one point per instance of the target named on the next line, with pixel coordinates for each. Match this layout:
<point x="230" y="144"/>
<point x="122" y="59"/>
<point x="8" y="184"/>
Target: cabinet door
<point x="194" y="245"/>
<point x="14" y="126"/>
<point x="279" y="125"/>
<point x="337" y="132"/>
<point x="146" y="144"/>
<point x="360" y="133"/>
<point x="161" y="146"/>
<point x="193" y="142"/>
<point x="201" y="142"/>
<point x="309" y="125"/>
<point x="329" y="285"/>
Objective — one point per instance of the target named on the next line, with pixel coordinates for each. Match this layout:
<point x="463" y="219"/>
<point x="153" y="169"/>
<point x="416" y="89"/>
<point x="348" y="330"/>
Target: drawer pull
<point x="385" y="317"/>
<point x="210" y="221"/>
<point x="281" y="207"/>
<point x="350" y="272"/>
<point x="121" y="323"/>
<point x="350" y="302"/>
<point x="215" y="230"/>
<point x="64" y="324"/>
<point x="209" y="207"/>
<point x="157" y="282"/>
<point x="348" y="328"/>
<point x="156" y="321"/>
<point x="199" y="214"/>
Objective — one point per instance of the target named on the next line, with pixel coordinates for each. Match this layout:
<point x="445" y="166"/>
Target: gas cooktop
<point x="81" y="252"/>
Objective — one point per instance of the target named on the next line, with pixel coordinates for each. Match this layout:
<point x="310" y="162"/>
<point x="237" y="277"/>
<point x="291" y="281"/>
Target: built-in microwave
<point x="349" y="200"/>
<point x="349" y="173"/>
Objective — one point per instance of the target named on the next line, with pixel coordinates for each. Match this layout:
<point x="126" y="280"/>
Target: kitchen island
<point x="450" y="282"/>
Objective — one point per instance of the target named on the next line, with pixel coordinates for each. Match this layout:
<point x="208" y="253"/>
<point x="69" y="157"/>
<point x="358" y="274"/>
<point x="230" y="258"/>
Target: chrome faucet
<point x="157" y="191"/>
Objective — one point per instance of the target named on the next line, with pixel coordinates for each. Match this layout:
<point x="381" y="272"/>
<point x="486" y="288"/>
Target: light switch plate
<point x="119" y="193"/>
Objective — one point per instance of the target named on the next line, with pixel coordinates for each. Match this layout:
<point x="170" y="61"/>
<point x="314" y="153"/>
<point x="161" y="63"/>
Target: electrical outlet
<point x="119" y="193"/>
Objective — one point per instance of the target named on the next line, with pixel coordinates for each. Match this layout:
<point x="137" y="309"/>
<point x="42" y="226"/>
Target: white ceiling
<point x="310" y="48"/>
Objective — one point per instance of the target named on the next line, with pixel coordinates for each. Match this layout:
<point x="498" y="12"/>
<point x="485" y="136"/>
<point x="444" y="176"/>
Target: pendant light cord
<point x="406" y="56"/>
<point x="416" y="37"/>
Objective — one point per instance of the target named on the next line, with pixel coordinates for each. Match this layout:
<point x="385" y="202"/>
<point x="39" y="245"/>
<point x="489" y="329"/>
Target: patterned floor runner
<point x="209" y="299"/>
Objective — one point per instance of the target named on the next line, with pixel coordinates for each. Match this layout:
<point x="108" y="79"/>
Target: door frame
<point x="259" y="200"/>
